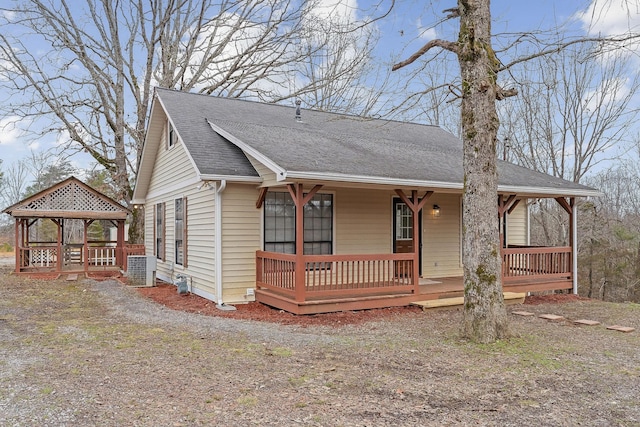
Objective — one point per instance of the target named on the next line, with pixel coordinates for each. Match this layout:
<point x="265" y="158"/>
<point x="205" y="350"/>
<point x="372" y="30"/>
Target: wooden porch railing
<point x="529" y="264"/>
<point x="336" y="275"/>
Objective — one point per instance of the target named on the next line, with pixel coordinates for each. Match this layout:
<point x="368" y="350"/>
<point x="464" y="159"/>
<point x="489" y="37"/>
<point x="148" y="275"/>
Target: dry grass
<point x="90" y="353"/>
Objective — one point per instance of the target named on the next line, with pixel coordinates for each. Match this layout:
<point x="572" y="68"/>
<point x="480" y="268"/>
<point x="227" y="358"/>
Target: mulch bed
<point x="166" y="294"/>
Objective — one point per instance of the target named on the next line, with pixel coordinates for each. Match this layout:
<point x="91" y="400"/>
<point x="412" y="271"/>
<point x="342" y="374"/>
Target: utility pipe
<point x="219" y="188"/>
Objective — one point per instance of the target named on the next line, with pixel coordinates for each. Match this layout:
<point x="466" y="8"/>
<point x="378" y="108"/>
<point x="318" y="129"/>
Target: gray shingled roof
<point x="327" y="143"/>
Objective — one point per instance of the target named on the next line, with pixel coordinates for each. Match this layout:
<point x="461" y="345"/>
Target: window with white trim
<point x="280" y="224"/>
<point x="179" y="231"/>
<point x="171" y="135"/>
<point x="159" y="231"/>
<point x="404" y="222"/>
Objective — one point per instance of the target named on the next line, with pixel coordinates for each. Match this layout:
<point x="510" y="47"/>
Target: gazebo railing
<point x="39" y="255"/>
<point x="45" y="255"/>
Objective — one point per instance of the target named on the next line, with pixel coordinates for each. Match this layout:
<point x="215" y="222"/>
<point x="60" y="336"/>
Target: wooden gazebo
<point x="68" y="200"/>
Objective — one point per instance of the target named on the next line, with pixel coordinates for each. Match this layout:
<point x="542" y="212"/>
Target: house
<point x="52" y="231"/>
<point x="222" y="180"/>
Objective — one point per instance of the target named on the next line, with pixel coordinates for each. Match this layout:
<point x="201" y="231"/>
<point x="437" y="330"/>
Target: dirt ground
<point x="166" y="294"/>
<point x="89" y="352"/>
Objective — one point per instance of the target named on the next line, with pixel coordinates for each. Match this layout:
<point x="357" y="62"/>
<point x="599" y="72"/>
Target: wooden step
<point x="509" y="298"/>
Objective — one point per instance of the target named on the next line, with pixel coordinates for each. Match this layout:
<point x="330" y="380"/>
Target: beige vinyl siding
<point x="269" y="178"/>
<point x="517" y="227"/>
<point x="172" y="166"/>
<point x="241" y="238"/>
<point x="364" y="225"/>
<point x="441" y="251"/>
<point x="200" y="238"/>
<point x="362" y="221"/>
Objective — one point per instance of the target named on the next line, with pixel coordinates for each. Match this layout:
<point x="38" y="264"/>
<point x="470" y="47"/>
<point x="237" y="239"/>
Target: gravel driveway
<point x="97" y="353"/>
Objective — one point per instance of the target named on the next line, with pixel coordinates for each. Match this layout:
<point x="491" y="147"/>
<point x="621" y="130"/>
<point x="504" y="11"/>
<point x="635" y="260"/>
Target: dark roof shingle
<point x="327" y="143"/>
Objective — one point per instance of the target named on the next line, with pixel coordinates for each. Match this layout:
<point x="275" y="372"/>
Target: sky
<point x="407" y="27"/>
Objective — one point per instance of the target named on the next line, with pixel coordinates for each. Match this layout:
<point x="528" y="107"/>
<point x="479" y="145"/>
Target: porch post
<point x="296" y="194"/>
<point x="416" y="241"/>
<point x="415" y="204"/>
<point x="505" y="207"/>
<point x="573" y="232"/>
<point x="299" y="199"/>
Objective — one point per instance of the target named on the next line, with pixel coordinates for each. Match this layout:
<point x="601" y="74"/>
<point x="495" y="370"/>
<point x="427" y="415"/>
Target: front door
<point x="403" y="231"/>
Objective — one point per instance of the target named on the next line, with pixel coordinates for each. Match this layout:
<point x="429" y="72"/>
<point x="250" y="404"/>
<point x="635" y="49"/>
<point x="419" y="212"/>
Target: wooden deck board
<point x="509" y="298"/>
<point x="437" y="289"/>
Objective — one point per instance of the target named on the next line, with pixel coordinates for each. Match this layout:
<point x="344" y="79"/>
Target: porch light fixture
<point x="436" y="211"/>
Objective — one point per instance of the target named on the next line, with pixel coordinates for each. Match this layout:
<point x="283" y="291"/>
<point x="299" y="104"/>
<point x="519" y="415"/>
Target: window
<point x="318" y="225"/>
<point x="280" y="224"/>
<point x="159" y="231"/>
<point x="171" y="135"/>
<point x="179" y="231"/>
<point x="404" y="222"/>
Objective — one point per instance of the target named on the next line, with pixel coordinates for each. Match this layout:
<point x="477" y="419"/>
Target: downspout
<point x="528" y="219"/>
<point x="574" y="246"/>
<point x="220" y="187"/>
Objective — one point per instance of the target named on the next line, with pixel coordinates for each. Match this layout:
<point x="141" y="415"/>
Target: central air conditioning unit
<point x="141" y="270"/>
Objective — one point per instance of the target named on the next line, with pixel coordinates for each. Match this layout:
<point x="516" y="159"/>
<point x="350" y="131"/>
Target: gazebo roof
<point x="70" y="198"/>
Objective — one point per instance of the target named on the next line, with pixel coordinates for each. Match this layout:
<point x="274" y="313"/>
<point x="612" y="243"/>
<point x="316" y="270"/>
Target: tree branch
<point x="562" y="46"/>
<point x="446" y="45"/>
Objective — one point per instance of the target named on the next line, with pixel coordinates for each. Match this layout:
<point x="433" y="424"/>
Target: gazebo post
<point x="17" y="244"/>
<point x="85" y="245"/>
<point x="120" y="244"/>
<point x="60" y="254"/>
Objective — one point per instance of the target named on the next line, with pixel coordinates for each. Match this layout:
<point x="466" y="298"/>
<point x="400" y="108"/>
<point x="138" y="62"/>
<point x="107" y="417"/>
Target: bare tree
<point x="485" y="318"/>
<point x="573" y="113"/>
<point x="484" y="313"/>
<point x="14" y="183"/>
<point x="609" y="244"/>
<point x="91" y="78"/>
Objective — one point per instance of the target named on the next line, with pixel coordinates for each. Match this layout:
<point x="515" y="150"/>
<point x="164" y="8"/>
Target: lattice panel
<point x="71" y="197"/>
<point x="43" y="257"/>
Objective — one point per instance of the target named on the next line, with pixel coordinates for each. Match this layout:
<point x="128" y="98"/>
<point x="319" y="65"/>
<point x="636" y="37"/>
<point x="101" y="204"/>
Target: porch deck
<point x="329" y="283"/>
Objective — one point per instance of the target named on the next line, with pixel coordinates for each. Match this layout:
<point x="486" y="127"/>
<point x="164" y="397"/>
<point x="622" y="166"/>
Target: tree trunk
<point x="485" y="318"/>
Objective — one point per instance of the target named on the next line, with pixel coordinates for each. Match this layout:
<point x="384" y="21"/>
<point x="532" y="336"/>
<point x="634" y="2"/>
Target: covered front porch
<point x="306" y="284"/>
<point x="356" y="282"/>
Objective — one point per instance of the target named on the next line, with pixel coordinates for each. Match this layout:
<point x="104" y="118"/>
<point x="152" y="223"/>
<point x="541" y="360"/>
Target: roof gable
<point x="70" y="198"/>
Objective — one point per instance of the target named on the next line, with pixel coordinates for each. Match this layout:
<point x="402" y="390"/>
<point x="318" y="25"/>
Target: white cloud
<point x="10" y="133"/>
<point x="610" y="17"/>
<point x="608" y="93"/>
<point x="9" y="15"/>
<point x="425" y="33"/>
<point x="337" y="10"/>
